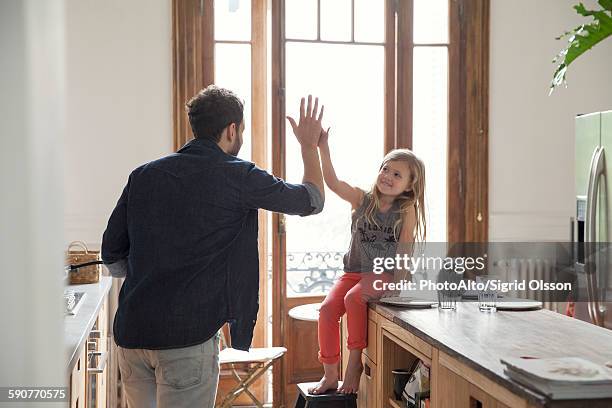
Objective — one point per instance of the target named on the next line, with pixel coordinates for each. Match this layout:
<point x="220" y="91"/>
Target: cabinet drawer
<point x="370" y="350"/>
<point x="459" y="386"/>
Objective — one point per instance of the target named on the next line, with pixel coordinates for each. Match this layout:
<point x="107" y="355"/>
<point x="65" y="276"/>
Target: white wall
<point x="119" y="111"/>
<point x="31" y="261"/>
<point x="531" y="184"/>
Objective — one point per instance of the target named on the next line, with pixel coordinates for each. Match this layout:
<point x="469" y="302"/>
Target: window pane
<point x="233" y="20"/>
<point x="370" y="21"/>
<point x="430" y="132"/>
<point x="336" y="20"/>
<point x="354" y="110"/>
<point x="431" y="21"/>
<point x="233" y="71"/>
<point x="301" y="19"/>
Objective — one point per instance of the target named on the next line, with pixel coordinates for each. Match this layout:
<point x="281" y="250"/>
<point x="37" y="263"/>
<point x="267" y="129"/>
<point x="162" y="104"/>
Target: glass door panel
<point x="336" y="20"/>
<point x="370" y="21"/>
<point x="430" y="132"/>
<point x="431" y="21"/>
<point x="301" y="19"/>
<point x="348" y="79"/>
<point x="233" y="71"/>
<point x="233" y="20"/>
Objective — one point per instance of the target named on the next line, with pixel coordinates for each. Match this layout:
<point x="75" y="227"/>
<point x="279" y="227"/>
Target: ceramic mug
<point x="400" y="378"/>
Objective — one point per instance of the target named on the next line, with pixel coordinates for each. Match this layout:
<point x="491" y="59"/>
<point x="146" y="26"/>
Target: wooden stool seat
<point x="331" y="399"/>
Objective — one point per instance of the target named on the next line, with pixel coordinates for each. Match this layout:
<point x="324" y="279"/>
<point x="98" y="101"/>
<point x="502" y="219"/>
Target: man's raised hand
<point x="308" y="130"/>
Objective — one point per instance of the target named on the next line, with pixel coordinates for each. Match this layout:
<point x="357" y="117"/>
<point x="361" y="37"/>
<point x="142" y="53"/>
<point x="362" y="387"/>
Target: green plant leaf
<point x="582" y="38"/>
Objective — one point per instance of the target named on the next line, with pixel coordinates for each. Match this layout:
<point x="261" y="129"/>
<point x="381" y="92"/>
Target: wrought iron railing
<point x="311" y="273"/>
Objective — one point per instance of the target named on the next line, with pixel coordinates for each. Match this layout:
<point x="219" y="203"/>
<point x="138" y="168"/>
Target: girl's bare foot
<point x="325" y="384"/>
<point x="350" y="384"/>
<point x="352" y="375"/>
<point x="329" y="380"/>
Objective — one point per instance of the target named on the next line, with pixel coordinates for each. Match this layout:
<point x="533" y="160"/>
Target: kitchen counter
<point x="77" y="328"/>
<point x="479" y="340"/>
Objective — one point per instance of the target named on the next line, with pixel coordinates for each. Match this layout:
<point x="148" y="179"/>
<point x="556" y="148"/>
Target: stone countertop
<point x="479" y="339"/>
<point x="77" y="328"/>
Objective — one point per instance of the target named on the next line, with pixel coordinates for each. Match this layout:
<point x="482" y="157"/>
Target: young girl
<point x="392" y="212"/>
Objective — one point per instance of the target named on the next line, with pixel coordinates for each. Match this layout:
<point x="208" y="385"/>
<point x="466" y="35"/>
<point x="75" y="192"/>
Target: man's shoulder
<point x="180" y="165"/>
<point x="157" y="163"/>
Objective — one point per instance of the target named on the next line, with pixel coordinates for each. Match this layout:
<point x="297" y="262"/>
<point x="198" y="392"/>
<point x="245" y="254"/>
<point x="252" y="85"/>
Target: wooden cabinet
<point x="88" y="378"/>
<point x="397" y="349"/>
<point x="459" y="386"/>
<point x="97" y="360"/>
<point x="78" y="391"/>
<point x="367" y="384"/>
<point x="452" y="383"/>
<point x="463" y="349"/>
<point x="456" y="392"/>
<point x="370" y="350"/>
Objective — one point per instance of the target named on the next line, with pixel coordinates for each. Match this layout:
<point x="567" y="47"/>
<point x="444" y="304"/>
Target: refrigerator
<point x="592" y="227"/>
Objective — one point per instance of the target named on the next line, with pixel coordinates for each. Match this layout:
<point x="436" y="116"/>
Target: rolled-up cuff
<point x="118" y="269"/>
<point x="316" y="199"/>
<point x="328" y="360"/>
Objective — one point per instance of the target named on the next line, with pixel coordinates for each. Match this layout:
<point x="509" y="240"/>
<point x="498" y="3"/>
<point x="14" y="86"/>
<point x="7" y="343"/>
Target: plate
<point x="407" y="302"/>
<point x="518" y="304"/>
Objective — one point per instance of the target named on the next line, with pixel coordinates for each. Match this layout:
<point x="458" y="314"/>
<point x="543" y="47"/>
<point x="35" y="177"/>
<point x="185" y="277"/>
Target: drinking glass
<point x="487" y="296"/>
<point x="447" y="299"/>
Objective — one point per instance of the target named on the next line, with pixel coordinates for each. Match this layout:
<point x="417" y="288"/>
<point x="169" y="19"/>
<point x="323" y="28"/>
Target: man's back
<point x="180" y="219"/>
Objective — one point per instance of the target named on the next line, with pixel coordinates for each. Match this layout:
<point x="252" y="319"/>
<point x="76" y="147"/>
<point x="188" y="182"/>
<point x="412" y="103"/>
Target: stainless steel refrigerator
<point x="592" y="230"/>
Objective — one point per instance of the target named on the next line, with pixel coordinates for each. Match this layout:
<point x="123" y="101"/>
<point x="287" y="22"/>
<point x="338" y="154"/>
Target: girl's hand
<point x="308" y="130"/>
<point x="324" y="136"/>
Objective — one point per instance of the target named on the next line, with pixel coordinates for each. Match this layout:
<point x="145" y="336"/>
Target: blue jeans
<point x="182" y="377"/>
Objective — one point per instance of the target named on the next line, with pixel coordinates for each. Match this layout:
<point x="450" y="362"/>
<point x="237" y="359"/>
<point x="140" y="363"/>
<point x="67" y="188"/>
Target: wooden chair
<point x="246" y="367"/>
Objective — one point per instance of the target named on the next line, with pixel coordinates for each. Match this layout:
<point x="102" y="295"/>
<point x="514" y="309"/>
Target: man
<point x="184" y="236"/>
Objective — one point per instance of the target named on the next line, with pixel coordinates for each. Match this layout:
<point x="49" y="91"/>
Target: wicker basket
<point x="78" y="253"/>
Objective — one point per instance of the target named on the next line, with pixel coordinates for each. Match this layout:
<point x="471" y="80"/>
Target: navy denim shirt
<point x="184" y="233"/>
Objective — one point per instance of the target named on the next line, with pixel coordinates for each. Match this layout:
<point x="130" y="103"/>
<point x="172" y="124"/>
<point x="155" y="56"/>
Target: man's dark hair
<point x="212" y="110"/>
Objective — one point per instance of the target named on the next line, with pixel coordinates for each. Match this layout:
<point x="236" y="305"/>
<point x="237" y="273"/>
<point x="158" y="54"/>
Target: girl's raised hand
<point x="308" y="130"/>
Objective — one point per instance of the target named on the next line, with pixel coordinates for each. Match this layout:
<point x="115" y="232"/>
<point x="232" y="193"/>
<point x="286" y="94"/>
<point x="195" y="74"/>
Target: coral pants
<point x="350" y="295"/>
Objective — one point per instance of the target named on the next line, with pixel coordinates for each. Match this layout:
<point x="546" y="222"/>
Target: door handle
<point x="101" y="363"/>
<point x="597" y="170"/>
<point x="367" y="371"/>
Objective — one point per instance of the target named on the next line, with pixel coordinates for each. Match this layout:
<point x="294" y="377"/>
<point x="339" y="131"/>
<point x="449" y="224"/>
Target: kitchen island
<point x="87" y="345"/>
<point x="463" y="349"/>
<point x="77" y="327"/>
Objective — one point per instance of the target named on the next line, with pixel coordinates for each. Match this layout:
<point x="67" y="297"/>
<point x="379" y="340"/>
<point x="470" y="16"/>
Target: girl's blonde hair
<point x="413" y="200"/>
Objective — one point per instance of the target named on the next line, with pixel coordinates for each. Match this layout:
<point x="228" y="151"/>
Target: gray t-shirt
<point x="369" y="241"/>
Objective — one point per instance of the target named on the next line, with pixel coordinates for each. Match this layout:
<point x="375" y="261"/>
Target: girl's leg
<point x="356" y="304"/>
<point x="330" y="313"/>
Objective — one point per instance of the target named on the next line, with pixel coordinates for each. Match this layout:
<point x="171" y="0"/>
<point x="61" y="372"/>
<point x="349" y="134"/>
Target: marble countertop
<point x="77" y="328"/>
<point x="479" y="339"/>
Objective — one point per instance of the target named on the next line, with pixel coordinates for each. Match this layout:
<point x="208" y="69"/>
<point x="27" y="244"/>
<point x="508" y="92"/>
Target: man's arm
<point x="115" y="241"/>
<point x="260" y="189"/>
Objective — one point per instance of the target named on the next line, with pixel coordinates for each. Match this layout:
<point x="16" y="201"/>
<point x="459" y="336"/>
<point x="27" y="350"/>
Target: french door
<point x="392" y="73"/>
<point x="344" y="53"/>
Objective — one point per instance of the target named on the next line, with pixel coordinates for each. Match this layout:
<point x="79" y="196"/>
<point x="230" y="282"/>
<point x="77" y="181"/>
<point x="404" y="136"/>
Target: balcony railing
<point x="311" y="273"/>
